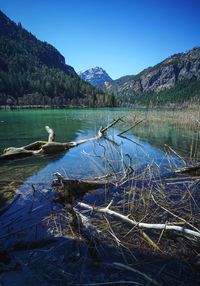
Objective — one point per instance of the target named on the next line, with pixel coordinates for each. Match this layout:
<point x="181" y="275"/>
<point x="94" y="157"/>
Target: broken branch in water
<point x="115" y="121"/>
<point x="157" y="226"/>
<point x="123" y="132"/>
<point x="127" y="267"/>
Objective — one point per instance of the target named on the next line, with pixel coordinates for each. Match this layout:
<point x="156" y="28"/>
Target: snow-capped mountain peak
<point x="95" y="76"/>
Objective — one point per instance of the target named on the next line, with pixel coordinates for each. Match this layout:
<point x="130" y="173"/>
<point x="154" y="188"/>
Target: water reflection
<point x="22" y="127"/>
<point x="90" y="160"/>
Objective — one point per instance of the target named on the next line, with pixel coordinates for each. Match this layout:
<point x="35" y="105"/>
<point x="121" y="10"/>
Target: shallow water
<point x="18" y="128"/>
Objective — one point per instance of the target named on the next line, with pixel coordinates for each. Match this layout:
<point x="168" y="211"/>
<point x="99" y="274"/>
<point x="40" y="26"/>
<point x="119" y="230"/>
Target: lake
<point x="18" y="128"/>
<point x="143" y="146"/>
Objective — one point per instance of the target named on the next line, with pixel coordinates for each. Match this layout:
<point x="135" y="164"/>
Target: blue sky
<point x="121" y="36"/>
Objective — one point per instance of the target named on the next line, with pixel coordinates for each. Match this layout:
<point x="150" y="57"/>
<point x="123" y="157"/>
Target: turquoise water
<point x="18" y="128"/>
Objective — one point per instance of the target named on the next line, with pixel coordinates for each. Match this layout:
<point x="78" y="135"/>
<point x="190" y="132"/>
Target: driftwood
<point x="141" y="225"/>
<point x="189" y="169"/>
<point x="69" y="190"/>
<point x="50" y="147"/>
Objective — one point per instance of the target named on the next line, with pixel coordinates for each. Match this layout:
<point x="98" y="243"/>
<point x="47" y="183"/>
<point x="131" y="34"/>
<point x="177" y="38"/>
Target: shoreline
<point x="172" y="107"/>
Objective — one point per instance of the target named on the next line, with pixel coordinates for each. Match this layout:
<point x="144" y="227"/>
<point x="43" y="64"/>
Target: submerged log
<point x="71" y="189"/>
<point x="7" y="207"/>
<point x="16" y="153"/>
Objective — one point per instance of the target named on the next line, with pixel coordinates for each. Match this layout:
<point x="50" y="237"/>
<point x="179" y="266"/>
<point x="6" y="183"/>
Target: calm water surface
<point x="18" y="128"/>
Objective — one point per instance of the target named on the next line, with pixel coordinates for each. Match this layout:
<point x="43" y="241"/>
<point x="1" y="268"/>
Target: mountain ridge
<point x="33" y="72"/>
<point x="159" y="78"/>
<point x="96" y="76"/>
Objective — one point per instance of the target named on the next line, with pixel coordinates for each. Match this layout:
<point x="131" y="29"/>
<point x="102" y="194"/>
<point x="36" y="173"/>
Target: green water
<point x="18" y="128"/>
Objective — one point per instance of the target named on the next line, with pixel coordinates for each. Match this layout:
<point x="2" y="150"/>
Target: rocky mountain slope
<point x="33" y="72"/>
<point x="95" y="76"/>
<point x="177" y="71"/>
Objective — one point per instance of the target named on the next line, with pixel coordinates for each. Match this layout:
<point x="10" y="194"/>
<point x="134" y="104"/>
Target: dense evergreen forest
<point x="33" y="72"/>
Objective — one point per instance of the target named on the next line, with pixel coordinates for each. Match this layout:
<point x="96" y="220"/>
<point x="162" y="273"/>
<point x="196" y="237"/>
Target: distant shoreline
<point x="180" y="106"/>
<point x="3" y="107"/>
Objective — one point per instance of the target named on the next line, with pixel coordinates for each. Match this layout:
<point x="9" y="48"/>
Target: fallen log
<point x="50" y="147"/>
<point x="34" y="146"/>
<point x="141" y="225"/>
<point x="16" y="153"/>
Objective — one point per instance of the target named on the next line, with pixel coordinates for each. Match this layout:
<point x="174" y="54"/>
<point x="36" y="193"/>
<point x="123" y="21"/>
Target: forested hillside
<point x="174" y="80"/>
<point x="33" y="72"/>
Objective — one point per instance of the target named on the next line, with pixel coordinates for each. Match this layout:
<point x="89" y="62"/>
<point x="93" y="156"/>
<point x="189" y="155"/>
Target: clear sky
<point x="121" y="36"/>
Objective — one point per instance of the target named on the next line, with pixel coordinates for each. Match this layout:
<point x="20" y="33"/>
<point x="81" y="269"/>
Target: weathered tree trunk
<point x="50" y="147"/>
<point x="71" y="189"/>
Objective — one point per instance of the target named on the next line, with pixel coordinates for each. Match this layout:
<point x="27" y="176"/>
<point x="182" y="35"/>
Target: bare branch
<point x="180" y="157"/>
<point x="103" y="130"/>
<point x="51" y="134"/>
<point x="138" y="122"/>
<point x="158" y="226"/>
